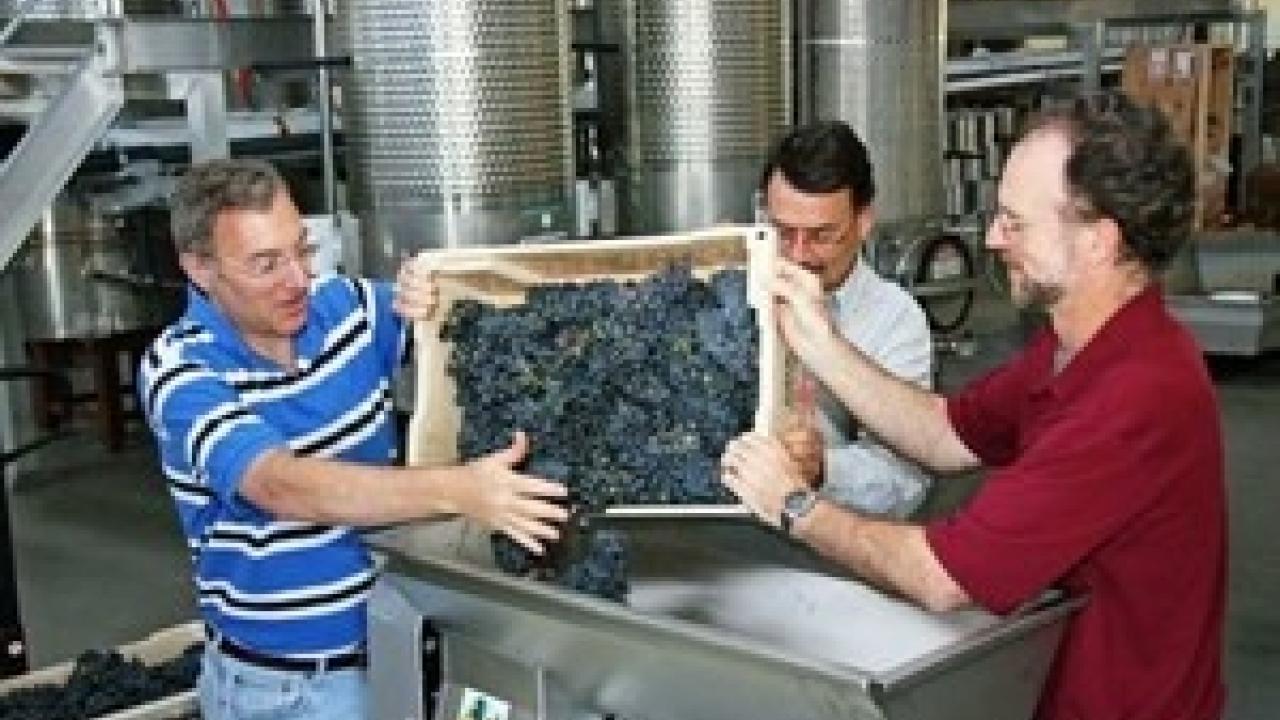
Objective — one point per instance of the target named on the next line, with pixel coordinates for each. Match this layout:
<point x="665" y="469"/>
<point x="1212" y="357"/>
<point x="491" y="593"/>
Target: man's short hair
<point x="823" y="157"/>
<point x="1127" y="165"/>
<point x="213" y="186"/>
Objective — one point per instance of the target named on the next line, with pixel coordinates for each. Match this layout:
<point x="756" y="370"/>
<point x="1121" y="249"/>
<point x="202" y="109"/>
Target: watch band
<point x="795" y="505"/>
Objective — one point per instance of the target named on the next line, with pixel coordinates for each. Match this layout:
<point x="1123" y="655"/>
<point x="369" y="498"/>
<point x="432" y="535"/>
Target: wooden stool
<point x="103" y="357"/>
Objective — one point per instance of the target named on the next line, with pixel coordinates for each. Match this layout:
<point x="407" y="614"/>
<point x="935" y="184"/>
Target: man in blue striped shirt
<point x="270" y="399"/>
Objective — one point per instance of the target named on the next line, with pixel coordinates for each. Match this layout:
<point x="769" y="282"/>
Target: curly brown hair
<point x="1127" y="165"/>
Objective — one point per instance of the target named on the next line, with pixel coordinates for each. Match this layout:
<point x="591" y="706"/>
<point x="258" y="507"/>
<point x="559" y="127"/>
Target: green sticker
<point x="479" y="706"/>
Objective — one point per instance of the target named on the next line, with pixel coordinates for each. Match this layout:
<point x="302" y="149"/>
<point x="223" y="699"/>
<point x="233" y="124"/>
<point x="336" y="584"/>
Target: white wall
<point x="1273" y="23"/>
<point x="1273" y="18"/>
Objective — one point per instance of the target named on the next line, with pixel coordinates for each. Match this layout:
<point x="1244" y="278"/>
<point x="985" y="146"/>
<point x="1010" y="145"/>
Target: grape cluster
<point x="596" y="565"/>
<point x="628" y="390"/>
<point x="601" y="569"/>
<point x="103" y="682"/>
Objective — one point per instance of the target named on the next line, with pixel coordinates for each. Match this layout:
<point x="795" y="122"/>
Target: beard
<point x="1028" y="294"/>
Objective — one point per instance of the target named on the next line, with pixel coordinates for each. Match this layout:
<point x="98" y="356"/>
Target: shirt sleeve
<point x="869" y="477"/>
<point x="862" y="473"/>
<point x="201" y="422"/>
<point x="985" y="413"/>
<point x="1071" y="490"/>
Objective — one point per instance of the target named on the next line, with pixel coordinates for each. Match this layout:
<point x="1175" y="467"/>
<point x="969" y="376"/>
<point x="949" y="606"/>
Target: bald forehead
<point x="1035" y="174"/>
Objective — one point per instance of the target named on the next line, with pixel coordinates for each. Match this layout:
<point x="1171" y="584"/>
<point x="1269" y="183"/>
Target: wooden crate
<point x="1193" y="86"/>
<point x="502" y="275"/>
<point x="159" y="647"/>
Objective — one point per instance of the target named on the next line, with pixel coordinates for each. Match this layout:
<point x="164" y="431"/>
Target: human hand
<point x="417" y="293"/>
<point x="802" y="311"/>
<point x="761" y="473"/>
<point x="798" y="431"/>
<point x="519" y="506"/>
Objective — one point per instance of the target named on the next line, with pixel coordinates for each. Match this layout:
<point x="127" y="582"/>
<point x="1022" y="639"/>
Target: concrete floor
<point x="100" y="559"/>
<point x="1250" y="400"/>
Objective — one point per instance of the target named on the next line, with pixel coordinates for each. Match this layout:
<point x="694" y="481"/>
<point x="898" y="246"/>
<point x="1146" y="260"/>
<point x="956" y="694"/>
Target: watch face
<point x="796" y="505"/>
<point x="794" y="501"/>
<point x="799" y="502"/>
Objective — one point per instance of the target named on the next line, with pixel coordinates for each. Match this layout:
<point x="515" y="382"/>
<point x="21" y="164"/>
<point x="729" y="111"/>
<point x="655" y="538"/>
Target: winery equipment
<point x="91" y="271"/>
<point x="877" y="66"/>
<point x="709" y="92"/>
<point x="457" y="120"/>
<point x="725" y="620"/>
<point x="1225" y="287"/>
<point x="977" y="142"/>
<point x="936" y="264"/>
<point x="722" y="617"/>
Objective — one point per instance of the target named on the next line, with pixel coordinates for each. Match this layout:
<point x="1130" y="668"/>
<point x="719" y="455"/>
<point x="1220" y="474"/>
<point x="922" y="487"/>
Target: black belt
<point x="341" y="661"/>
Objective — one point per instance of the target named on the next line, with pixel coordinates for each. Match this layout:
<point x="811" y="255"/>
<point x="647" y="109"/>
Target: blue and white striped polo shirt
<point x="215" y="405"/>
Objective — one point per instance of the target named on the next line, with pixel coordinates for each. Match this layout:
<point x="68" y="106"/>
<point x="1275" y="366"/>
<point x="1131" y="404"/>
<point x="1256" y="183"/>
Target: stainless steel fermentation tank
<point x="878" y="66"/>
<point x="708" y="93"/>
<point x="86" y="272"/>
<point x="457" y="122"/>
<point x="725" y="620"/>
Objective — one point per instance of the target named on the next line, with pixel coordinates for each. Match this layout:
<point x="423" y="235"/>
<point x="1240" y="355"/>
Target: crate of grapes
<point x="151" y="679"/>
<point x="629" y="363"/>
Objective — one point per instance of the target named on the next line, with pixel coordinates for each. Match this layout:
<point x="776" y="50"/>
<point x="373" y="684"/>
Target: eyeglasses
<point x="274" y="266"/>
<point x="1010" y="224"/>
<point x="821" y="237"/>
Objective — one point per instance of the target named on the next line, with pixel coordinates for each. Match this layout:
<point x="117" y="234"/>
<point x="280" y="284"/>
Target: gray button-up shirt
<point x="883" y="321"/>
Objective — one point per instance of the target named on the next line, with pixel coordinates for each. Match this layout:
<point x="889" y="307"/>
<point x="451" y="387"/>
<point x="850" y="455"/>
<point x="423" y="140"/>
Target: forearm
<point x="902" y="415"/>
<point x="339" y="492"/>
<point x="891" y="555"/>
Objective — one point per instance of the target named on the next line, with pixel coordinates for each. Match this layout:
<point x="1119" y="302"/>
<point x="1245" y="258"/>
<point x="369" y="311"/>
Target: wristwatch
<point x="795" y="505"/>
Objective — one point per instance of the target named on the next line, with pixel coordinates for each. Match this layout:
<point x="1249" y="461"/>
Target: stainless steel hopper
<point x="725" y="621"/>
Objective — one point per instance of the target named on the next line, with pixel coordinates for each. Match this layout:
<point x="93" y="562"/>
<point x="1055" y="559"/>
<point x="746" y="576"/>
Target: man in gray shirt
<point x="818" y="189"/>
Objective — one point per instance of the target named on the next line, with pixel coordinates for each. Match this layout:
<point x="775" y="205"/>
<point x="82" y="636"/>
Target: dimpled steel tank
<point x="709" y="93"/>
<point x="457" y="122"/>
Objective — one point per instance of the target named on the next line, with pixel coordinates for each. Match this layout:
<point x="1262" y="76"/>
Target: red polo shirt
<point x="1107" y="480"/>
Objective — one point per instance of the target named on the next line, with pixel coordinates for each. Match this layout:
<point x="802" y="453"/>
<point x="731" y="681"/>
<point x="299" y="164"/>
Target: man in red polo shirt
<point x="1101" y="439"/>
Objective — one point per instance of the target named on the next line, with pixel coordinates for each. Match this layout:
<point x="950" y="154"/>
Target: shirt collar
<point x="202" y="310"/>
<point x="1136" y="323"/>
<point x="854" y="285"/>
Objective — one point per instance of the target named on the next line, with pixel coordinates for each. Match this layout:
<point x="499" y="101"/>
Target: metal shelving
<point x="1094" y="50"/>
<point x="998" y="70"/>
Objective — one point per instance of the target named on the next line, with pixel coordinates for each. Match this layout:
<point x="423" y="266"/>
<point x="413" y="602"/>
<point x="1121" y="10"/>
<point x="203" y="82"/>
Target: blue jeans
<point x="235" y="690"/>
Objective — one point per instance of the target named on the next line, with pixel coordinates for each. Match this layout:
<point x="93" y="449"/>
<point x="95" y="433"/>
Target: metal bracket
<point x="205" y="96"/>
<point x="38" y="168"/>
